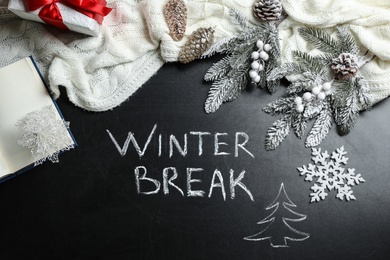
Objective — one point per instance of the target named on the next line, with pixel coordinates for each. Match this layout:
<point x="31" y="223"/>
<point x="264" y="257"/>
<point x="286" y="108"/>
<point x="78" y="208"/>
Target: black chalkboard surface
<point x="199" y="186"/>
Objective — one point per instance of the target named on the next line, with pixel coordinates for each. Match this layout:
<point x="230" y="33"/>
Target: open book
<point x="23" y="93"/>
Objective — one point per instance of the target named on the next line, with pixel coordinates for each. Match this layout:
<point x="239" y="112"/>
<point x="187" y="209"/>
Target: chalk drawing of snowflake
<point x="330" y="174"/>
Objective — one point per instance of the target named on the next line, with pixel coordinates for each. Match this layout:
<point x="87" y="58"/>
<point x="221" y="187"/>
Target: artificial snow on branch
<point x="326" y="87"/>
<point x="250" y="57"/>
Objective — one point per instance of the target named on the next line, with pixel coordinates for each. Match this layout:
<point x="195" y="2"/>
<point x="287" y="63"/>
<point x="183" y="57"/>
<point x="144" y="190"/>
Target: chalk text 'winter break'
<point x="170" y="174"/>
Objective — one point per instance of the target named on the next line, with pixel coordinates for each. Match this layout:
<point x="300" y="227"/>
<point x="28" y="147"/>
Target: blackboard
<point x="89" y="206"/>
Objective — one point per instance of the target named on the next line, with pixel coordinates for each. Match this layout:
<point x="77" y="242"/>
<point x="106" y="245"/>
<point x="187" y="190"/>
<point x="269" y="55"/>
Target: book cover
<point x="32" y="128"/>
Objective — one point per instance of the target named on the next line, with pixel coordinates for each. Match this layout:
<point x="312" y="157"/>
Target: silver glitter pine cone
<point x="268" y="10"/>
<point x="198" y="42"/>
<point x="175" y="13"/>
<point x="345" y="66"/>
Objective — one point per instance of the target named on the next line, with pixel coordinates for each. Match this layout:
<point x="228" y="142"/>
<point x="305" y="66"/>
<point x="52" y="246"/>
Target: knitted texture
<point x="368" y="21"/>
<point x="99" y="73"/>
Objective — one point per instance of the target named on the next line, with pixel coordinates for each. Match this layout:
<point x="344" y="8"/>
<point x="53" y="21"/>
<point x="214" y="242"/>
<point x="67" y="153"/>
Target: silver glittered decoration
<point x="198" y="42"/>
<point x="44" y="134"/>
<point x="175" y="13"/>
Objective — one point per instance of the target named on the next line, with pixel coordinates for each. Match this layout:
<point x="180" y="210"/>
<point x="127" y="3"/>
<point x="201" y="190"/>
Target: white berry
<point x="253" y="74"/>
<point x="328" y="92"/>
<point x="299" y="108"/>
<point x="327" y="86"/>
<point x="255" y="65"/>
<point x="316" y="90"/>
<point x="298" y="100"/>
<point x="267" y="47"/>
<point x="307" y="96"/>
<point x="260" y="44"/>
<point x="257" y="79"/>
<point x="255" y="55"/>
<point x="264" y="55"/>
<point x="321" y="95"/>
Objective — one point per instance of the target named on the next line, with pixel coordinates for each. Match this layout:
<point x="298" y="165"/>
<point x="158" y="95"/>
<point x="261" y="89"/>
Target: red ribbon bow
<point x="51" y="14"/>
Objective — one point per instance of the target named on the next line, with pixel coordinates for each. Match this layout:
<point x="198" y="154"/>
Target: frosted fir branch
<point x="320" y="39"/>
<point x="239" y="19"/>
<point x="313" y="109"/>
<point x="363" y="93"/>
<point x="299" y="118"/>
<point x="347" y="42"/>
<point x="218" y="47"/>
<point x="230" y="75"/>
<point x="279" y="106"/>
<point x="305" y="82"/>
<point x="299" y="124"/>
<point x="340" y="102"/>
<point x="285" y="69"/>
<point x="341" y="91"/>
<point x="218" y="69"/>
<point x="346" y="116"/>
<point x="217" y="94"/>
<point x="311" y="63"/>
<point x="273" y="39"/>
<point x="325" y="59"/>
<point x="321" y="128"/>
<point x="241" y="82"/>
<point x="272" y="85"/>
<point x="222" y="90"/>
<point x="240" y="61"/>
<point x="230" y="80"/>
<point x="273" y="62"/>
<point x="277" y="132"/>
<point x="224" y="45"/>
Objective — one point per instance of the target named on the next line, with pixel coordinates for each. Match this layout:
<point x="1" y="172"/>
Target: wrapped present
<point x="83" y="16"/>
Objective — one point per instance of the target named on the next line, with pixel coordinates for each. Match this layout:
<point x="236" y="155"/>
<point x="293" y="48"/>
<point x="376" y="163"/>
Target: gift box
<point x="80" y="16"/>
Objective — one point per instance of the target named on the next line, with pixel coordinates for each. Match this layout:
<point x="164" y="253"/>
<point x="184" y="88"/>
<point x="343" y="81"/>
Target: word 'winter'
<point x="240" y="140"/>
<point x="168" y="182"/>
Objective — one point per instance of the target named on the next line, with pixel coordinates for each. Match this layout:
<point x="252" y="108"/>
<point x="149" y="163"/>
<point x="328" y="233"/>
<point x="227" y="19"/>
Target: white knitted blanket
<point x="99" y="73"/>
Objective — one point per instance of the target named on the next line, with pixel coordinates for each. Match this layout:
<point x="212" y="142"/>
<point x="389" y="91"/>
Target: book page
<point x="3" y="166"/>
<point x="21" y="92"/>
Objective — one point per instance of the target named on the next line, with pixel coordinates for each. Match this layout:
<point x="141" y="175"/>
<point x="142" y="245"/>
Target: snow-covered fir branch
<point x="251" y="55"/>
<point x="326" y="87"/>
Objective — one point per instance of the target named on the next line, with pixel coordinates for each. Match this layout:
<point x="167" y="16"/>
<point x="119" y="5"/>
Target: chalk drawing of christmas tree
<point x="277" y="228"/>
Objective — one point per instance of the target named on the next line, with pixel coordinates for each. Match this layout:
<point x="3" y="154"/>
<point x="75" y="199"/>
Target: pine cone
<point x="345" y="66"/>
<point x="175" y="13"/>
<point x="198" y="42"/>
<point x="268" y="10"/>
